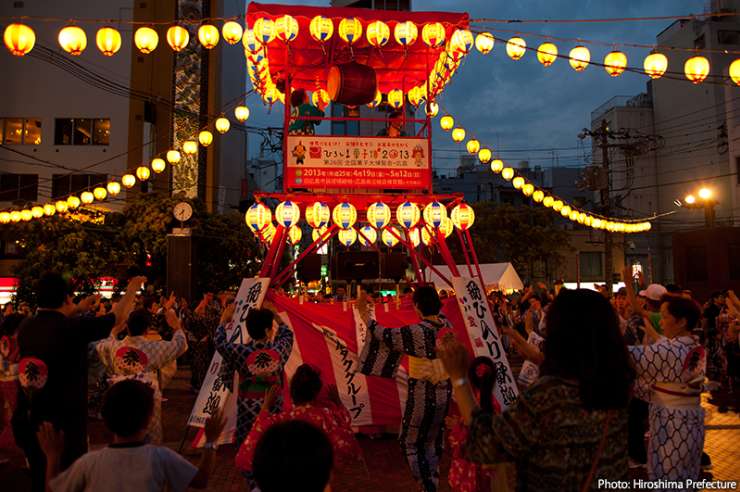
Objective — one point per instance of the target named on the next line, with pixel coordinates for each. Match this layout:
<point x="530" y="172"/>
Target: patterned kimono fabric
<point x="429" y="391"/>
<point x="673" y="368"/>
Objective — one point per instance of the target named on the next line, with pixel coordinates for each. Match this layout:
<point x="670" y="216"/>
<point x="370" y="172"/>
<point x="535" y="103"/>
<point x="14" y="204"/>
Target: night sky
<point x="521" y="105"/>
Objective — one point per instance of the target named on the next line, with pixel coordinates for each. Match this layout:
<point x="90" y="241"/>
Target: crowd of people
<point x="607" y="383"/>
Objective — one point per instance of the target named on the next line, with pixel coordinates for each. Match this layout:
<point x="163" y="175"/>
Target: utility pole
<point x="608" y="262"/>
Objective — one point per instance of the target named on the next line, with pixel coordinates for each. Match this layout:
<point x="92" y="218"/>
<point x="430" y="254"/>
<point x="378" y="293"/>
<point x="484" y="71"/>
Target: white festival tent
<point x="501" y="276"/>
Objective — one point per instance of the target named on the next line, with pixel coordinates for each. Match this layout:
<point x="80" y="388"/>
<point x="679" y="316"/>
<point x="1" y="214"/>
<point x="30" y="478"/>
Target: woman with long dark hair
<point x="570" y="427"/>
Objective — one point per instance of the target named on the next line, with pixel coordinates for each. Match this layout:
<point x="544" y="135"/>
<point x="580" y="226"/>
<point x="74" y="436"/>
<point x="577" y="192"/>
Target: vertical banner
<point x="471" y="297"/>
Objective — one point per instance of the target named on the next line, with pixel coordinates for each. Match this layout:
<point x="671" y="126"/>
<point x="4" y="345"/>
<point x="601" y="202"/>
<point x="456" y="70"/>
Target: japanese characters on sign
<point x="325" y="161"/>
<point x="471" y="297"/>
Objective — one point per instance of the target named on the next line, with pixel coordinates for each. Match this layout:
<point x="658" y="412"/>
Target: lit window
<point x="82" y="131"/>
<point x="21" y="131"/>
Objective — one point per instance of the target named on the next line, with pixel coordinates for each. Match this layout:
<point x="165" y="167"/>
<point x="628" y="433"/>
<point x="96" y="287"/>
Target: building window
<point x="590" y="263"/>
<point x="728" y="37"/>
<point x="21" y="131"/>
<point x="82" y="131"/>
<point x="19" y="187"/>
<point x="63" y="185"/>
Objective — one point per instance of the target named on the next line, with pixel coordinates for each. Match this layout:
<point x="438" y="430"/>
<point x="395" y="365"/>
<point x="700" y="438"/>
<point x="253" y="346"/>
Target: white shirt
<point x="143" y="468"/>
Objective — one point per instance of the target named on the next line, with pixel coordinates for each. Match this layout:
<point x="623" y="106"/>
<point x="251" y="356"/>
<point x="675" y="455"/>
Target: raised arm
<point x="234" y="354"/>
<point x="631" y="295"/>
<point x="126" y="304"/>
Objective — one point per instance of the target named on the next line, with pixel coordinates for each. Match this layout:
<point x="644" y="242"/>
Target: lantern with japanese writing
<point x="347" y="236"/>
<point x="463" y="216"/>
<point x="178" y="38"/>
<point x="73" y="40"/>
<point x="258" y="216"/>
<point x="264" y="30"/>
<point x="615" y="63"/>
<point x="19" y="39"/>
<point x="434" y="214"/>
<point x="108" y="40"/>
<point x="515" y="48"/>
<point x="484" y="42"/>
<point x="408" y="214"/>
<point x="579" y="58"/>
<point x="390" y="236"/>
<point x="406" y="33"/>
<point x="286" y="28"/>
<point x="321" y="28"/>
<point x="350" y="30"/>
<point x="473" y="146"/>
<point x="146" y="39"/>
<point x="696" y="69"/>
<point x="232" y="32"/>
<point x="378" y="214"/>
<point x="287" y="213"/>
<point x="547" y="53"/>
<point x="318" y="214"/>
<point x="368" y="235"/>
<point x="344" y="215"/>
<point x="433" y="34"/>
<point x="378" y="33"/>
<point x="295" y="234"/>
<point x="414" y="96"/>
<point x="395" y="98"/>
<point x="461" y="42"/>
<point x="319" y="232"/>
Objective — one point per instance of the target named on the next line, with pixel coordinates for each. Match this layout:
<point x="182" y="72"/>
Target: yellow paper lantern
<point x="128" y="180"/>
<point x="318" y="214"/>
<point x="250" y="42"/>
<point x="573" y="215"/>
<point x="287" y="213"/>
<point x="241" y="113"/>
<point x="414" y="96"/>
<point x="395" y="98"/>
<point x="528" y="189"/>
<point x="15" y="215"/>
<point x="473" y="146"/>
<point x="588" y="221"/>
<point x="347" y="236"/>
<point x="222" y="125"/>
<point x="516" y="47"/>
<point x="696" y="69"/>
<point x="286" y="28"/>
<point x="485" y="155"/>
<point x="158" y="165"/>
<point x="446" y="122"/>
<point x="232" y="32"/>
<point x="458" y="134"/>
<point x="484" y="42"/>
<point x="5" y="216"/>
<point x="557" y="205"/>
<point x="580" y="57"/>
<point x="615" y="63"/>
<point x="463" y="216"/>
<point x="60" y="205"/>
<point x="268" y="234"/>
<point x="108" y="40"/>
<point x="434" y="214"/>
<point x="432" y="108"/>
<point x="85" y="197"/>
<point x="26" y="215"/>
<point x="208" y="36"/>
<point x="205" y="138"/>
<point x="433" y="34"/>
<point x="376" y="100"/>
<point x="517" y="182"/>
<point x="538" y="196"/>
<point x="178" y="38"/>
<point x="426" y="238"/>
<point x="497" y="166"/>
<point x="655" y="65"/>
<point x="565" y="211"/>
<point x="19" y="39"/>
<point x="414" y="237"/>
<point x="507" y="173"/>
<point x="321" y="28"/>
<point x="190" y="147"/>
<point x="581" y="219"/>
<point x="100" y="193"/>
<point x="73" y="40"/>
<point x="461" y="42"/>
<point x="113" y="187"/>
<point x="173" y="156"/>
<point x="548" y="201"/>
<point x="320" y="98"/>
<point x="597" y="223"/>
<point x="37" y="212"/>
<point x="408" y="214"/>
<point x="547" y="53"/>
<point x="344" y="215"/>
<point x="264" y="30"/>
<point x="146" y="39"/>
<point x="73" y="202"/>
<point x="258" y="216"/>
<point x="406" y="33"/>
<point x="317" y="233"/>
<point x="143" y="173"/>
<point x="390" y="236"/>
<point x="378" y="214"/>
<point x="350" y="30"/>
<point x="368" y="236"/>
<point x="378" y="33"/>
<point x="295" y="234"/>
<point x="734" y="74"/>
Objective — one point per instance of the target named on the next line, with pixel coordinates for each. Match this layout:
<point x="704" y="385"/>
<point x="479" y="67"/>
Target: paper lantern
<point x="208" y="36"/>
<point x="232" y="32"/>
<point x="497" y="166"/>
<point x="515" y="48"/>
<point x="507" y="173"/>
<point x="580" y="57"/>
<point x="538" y="196"/>
<point x="108" y="40"/>
<point x="73" y="202"/>
<point x="295" y="234"/>
<point x="615" y="63"/>
<point x="19" y="39"/>
<point x="696" y="69"/>
<point x="258" y="216"/>
<point x="267" y="234"/>
<point x="128" y="180"/>
<point x="344" y="215"/>
<point x="581" y="219"/>
<point x="241" y="113"/>
<point x="287" y="213"/>
<point x="5" y="216"/>
<point x="426" y="238"/>
<point x="473" y="146"/>
<point x="734" y="74"/>
<point x="406" y="33"/>
<point x="463" y="216"/>
<point x="15" y="215"/>
<point x="368" y="235"/>
<point x="588" y="221"/>
<point x="557" y="205"/>
<point x="547" y="53"/>
<point x="190" y="147"/>
<point x="250" y="42"/>
<point x="85" y="197"/>
<point x="158" y="165"/>
<point x="264" y="30"/>
<point x="573" y="215"/>
<point x="432" y="108"/>
<point x="37" y="212"/>
<point x="548" y="201"/>
<point x="143" y="173"/>
<point x="173" y="156"/>
<point x="378" y="33"/>
<point x="390" y="236"/>
<point x="178" y="38"/>
<point x="320" y="98"/>
<point x="318" y="214"/>
<point x="317" y="233"/>
<point x="485" y="155"/>
<point x="446" y="122"/>
<point x="458" y="134"/>
<point x="461" y="42"/>
<point x="655" y="65"/>
<point x="347" y="236"/>
<point x="414" y="96"/>
<point x="433" y="34"/>
<point x="26" y="215"/>
<point x="484" y="42"/>
<point x="286" y="28"/>
<point x="100" y="193"/>
<point x="73" y="40"/>
<point x="114" y="188"/>
<point x="408" y="214"/>
<point x="414" y="237"/>
<point x="60" y="205"/>
<point x="350" y="30"/>
<point x="205" y="138"/>
<point x="527" y="189"/>
<point x="565" y="211"/>
<point x="395" y="98"/>
<point x="378" y="214"/>
<point x="146" y="39"/>
<point x="434" y="214"/>
<point x="517" y="182"/>
<point x="321" y="28"/>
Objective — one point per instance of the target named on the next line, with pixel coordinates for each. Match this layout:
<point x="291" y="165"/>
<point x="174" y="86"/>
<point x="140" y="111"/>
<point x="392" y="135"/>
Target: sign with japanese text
<point x="484" y="337"/>
<point x="326" y="161"/>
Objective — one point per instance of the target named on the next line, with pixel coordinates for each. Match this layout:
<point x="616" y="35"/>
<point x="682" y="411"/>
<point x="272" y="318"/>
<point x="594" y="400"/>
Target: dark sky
<point x="512" y="105"/>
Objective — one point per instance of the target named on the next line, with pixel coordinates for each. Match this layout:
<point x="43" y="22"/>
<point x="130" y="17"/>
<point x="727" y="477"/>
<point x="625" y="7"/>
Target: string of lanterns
<point x="566" y="210"/>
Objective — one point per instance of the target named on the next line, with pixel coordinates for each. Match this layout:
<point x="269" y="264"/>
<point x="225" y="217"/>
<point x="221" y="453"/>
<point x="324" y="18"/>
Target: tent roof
<point x="498" y="275"/>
